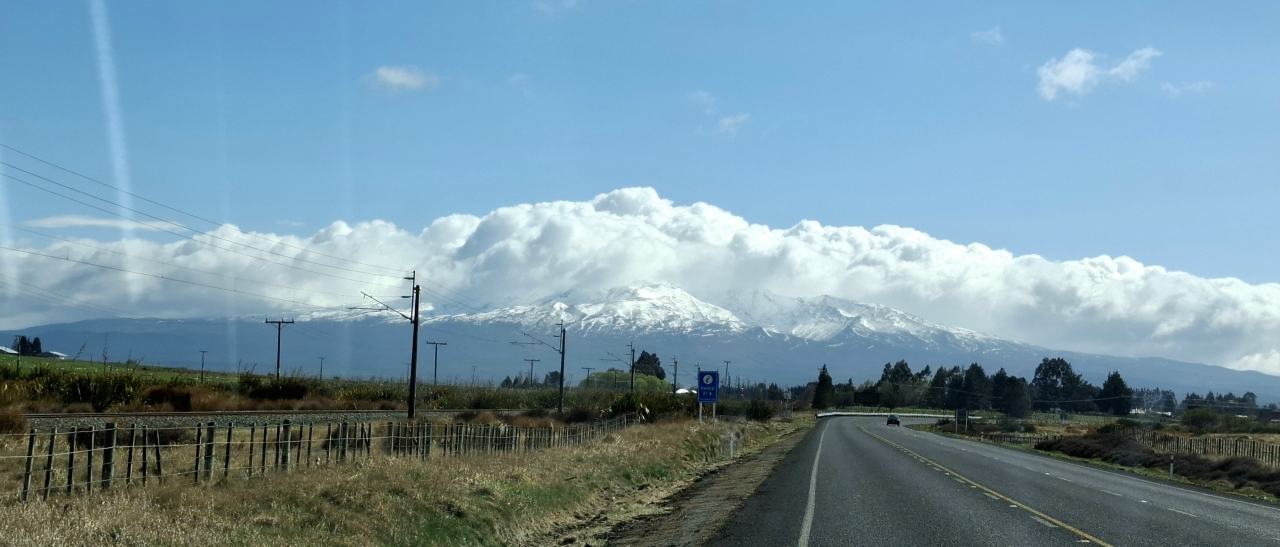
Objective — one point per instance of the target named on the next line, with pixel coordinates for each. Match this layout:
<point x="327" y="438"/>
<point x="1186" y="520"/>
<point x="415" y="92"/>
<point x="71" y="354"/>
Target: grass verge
<point x="538" y="498"/>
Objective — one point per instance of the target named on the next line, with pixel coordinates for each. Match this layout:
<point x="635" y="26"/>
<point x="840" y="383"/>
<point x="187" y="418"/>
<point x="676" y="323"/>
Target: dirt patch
<point x="694" y="514"/>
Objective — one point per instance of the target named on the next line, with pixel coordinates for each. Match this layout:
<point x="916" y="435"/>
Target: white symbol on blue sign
<point x="708" y="387"/>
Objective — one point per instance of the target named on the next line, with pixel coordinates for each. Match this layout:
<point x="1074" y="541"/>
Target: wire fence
<point x="78" y="461"/>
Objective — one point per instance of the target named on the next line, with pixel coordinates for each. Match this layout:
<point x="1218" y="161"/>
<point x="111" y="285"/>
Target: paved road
<point x="856" y="481"/>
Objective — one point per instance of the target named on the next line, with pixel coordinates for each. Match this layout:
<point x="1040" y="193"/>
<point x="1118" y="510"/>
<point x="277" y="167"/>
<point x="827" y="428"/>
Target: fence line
<point x="82" y="460"/>
<point x="1265" y="452"/>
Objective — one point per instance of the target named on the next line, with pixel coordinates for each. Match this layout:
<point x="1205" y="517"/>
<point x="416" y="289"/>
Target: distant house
<point x="53" y="355"/>
<point x="7" y="351"/>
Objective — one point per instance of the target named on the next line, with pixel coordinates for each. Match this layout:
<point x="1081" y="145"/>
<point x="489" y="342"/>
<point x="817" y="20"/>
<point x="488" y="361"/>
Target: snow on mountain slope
<point x="643" y="307"/>
<point x="826" y="318"/>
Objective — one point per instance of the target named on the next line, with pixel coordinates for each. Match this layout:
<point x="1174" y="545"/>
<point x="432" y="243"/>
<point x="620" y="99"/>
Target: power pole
<point x="321" y="369"/>
<point x="633" y="365"/>
<point x="435" y="368"/>
<point x="726" y="373"/>
<point x="560" y="350"/>
<point x="531" y="362"/>
<point x="202" y="352"/>
<point x="589" y="369"/>
<point x="413" y="359"/>
<point x="473" y="375"/>
<point x="675" y="375"/>
<point x="279" y="323"/>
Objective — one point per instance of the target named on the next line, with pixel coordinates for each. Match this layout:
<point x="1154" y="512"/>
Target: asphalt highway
<point x="855" y="481"/>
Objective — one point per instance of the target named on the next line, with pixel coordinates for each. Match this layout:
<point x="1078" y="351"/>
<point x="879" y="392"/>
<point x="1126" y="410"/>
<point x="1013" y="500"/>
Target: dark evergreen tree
<point x="552" y="378"/>
<point x="35" y="347"/>
<point x="1053" y="383"/>
<point x="1116" y="397"/>
<point x="648" y="363"/>
<point x="825" y="394"/>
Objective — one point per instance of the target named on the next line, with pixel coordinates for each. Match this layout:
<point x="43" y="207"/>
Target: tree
<point x="648" y="363"/>
<point x="1168" y="402"/>
<point x="977" y="388"/>
<point x="552" y="378"/>
<point x="824" y="396"/>
<point x="506" y="382"/>
<point x="774" y="393"/>
<point x="1116" y="397"/>
<point x="35" y="347"/>
<point x="1053" y="383"/>
<point x="1018" y="398"/>
<point x="937" y="395"/>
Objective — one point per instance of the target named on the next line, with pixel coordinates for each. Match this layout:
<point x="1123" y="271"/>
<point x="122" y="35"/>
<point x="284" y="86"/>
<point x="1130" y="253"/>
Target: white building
<point x="7" y="351"/>
<point x="53" y="355"/>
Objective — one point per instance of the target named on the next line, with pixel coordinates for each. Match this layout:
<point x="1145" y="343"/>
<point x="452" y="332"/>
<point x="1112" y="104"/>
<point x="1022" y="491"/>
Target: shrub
<point x="1028" y="427"/>
<point x="759" y="411"/>
<point x="12" y="421"/>
<point x="1199" y="418"/>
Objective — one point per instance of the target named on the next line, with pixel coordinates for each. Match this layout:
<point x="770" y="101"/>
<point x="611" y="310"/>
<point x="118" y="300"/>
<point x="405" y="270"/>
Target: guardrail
<point x="833" y="414"/>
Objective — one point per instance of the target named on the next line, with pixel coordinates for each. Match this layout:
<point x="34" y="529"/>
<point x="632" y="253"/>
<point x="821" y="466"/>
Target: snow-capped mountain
<point x="764" y="336"/>
<point x="640" y="308"/>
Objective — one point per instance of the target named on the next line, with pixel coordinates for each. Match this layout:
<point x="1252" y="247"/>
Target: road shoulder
<point x="696" y="513"/>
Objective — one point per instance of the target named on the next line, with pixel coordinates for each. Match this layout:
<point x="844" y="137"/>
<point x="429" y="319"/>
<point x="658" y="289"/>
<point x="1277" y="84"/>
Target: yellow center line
<point x="991" y="492"/>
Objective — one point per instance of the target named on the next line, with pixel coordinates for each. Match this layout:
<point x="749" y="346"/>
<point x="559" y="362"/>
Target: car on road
<point x="893" y="420"/>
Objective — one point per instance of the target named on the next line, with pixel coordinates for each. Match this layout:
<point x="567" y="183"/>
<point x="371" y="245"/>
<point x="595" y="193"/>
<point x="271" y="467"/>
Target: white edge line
<point x="807" y="524"/>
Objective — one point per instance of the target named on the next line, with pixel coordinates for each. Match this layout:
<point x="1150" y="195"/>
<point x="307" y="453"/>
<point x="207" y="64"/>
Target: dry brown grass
<point x="497" y="499"/>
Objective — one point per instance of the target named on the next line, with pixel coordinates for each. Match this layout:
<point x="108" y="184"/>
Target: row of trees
<point x="1055" y="386"/>
<point x="27" y="347"/>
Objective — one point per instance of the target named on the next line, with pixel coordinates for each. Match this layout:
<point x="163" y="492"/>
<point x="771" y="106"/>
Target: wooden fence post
<point x="109" y="457"/>
<point x="342" y="442"/>
<point x="297" y="457"/>
<point x="389" y="445"/>
<point x="276" y="445"/>
<point x="262" y="459"/>
<point x="199" y="446"/>
<point x="311" y="428"/>
<point x="88" y="480"/>
<point x="26" y="475"/>
<point x="288" y="438"/>
<point x="48" y="462"/>
<point x="253" y="438"/>
<point x="209" y="447"/>
<point x="146" y="443"/>
<point x="159" y="462"/>
<point x="71" y="459"/>
<point x="226" y="458"/>
<point x="328" y="441"/>
<point x="128" y="464"/>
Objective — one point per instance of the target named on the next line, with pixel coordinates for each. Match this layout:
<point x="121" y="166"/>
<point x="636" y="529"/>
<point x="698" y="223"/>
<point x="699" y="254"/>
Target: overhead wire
<point x="215" y="223"/>
<point x="171" y="265"/>
<point x="173" y="279"/>
<point x="184" y="236"/>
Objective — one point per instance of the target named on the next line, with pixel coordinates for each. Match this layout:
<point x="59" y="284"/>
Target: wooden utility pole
<point x="435" y="368"/>
<point x="531" y="362"/>
<point x="279" y="323"/>
<point x="202" y="352"/>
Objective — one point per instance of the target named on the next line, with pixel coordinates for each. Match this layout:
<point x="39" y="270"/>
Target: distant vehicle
<point x="893" y="420"/>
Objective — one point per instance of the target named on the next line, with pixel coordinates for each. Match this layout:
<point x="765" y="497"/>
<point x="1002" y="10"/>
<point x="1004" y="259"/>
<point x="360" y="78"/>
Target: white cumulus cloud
<point x="1077" y="73"/>
<point x="401" y="78"/>
<point x="517" y="254"/>
<point x="993" y="37"/>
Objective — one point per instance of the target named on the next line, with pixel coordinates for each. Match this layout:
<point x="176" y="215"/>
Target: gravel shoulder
<point x="694" y="514"/>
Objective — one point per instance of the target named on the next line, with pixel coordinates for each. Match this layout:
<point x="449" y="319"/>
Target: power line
<point x="208" y="235"/>
<point x="219" y="224"/>
<point x="179" y="211"/>
<point x="171" y="265"/>
<point x="176" y="280"/>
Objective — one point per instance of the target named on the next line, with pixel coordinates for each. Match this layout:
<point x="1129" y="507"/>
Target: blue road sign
<point x="708" y="386"/>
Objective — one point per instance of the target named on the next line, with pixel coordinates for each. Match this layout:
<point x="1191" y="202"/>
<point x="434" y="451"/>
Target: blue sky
<point x="271" y="115"/>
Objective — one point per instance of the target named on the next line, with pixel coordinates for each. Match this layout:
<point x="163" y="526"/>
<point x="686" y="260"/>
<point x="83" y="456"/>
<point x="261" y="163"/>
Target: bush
<point x="1199" y="418"/>
<point x="759" y="411"/>
<point x="177" y="398"/>
<point x="1028" y="427"/>
<point x="1242" y="472"/>
<point x="12" y="421"/>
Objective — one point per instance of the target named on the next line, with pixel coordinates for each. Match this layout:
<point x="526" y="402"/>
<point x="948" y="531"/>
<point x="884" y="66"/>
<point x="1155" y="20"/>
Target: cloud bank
<point x="1113" y="305"/>
<point x="1077" y="73"/>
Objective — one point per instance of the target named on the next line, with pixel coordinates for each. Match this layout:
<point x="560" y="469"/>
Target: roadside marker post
<point x="708" y="391"/>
